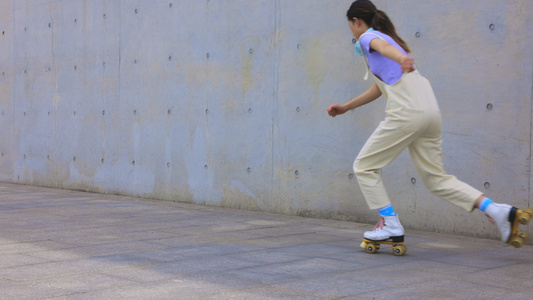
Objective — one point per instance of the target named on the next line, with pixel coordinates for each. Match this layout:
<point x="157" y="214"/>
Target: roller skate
<point x="508" y="218"/>
<point x="387" y="231"/>
<point x="518" y="238"/>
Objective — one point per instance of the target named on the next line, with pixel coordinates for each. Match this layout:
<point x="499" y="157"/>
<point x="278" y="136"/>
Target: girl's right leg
<point x="385" y="144"/>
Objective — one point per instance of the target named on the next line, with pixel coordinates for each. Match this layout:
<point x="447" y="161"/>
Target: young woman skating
<point x="412" y="121"/>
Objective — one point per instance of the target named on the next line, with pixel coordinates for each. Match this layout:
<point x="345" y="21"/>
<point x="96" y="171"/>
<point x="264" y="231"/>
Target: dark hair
<point x="375" y="18"/>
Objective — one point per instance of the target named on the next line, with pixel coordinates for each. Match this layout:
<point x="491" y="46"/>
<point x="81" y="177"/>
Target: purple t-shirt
<point x="385" y="68"/>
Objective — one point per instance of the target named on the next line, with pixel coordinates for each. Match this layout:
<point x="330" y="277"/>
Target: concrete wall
<point x="223" y="102"/>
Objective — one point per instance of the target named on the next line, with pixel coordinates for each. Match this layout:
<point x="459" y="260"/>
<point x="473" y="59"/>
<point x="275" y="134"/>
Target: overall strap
<point x="364" y="54"/>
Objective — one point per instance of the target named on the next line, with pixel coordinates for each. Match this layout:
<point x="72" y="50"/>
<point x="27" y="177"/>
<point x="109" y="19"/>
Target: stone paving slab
<point x="57" y="244"/>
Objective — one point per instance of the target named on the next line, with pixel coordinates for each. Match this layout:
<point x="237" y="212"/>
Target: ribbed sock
<point x="387" y="211"/>
<point x="484" y="204"/>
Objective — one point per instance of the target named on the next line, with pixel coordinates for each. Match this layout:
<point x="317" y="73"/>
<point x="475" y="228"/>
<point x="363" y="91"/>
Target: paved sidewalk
<point x="57" y="244"/>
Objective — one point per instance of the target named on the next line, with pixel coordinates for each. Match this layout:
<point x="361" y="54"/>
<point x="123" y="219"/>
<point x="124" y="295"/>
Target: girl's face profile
<point x="355" y="27"/>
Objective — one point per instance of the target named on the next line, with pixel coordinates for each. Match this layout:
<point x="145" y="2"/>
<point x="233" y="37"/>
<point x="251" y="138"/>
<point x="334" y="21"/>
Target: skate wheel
<point x="371" y="248"/>
<point x="399" y="250"/>
<point x="517" y="242"/>
<point x="363" y="245"/>
<point x="525" y="216"/>
<point x="522" y="235"/>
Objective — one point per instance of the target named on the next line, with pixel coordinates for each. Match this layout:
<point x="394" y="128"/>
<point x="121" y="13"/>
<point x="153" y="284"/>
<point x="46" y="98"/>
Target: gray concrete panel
<point x="224" y="102"/>
<point x="7" y="69"/>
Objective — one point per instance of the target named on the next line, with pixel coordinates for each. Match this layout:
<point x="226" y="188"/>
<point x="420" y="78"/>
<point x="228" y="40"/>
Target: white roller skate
<point x="507" y="218"/>
<point x="389" y="231"/>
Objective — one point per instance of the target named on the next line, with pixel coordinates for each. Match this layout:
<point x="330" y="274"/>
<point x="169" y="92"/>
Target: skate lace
<point x="491" y="220"/>
<point x="379" y="225"/>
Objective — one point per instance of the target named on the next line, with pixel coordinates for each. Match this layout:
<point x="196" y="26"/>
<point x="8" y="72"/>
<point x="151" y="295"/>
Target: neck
<point x="365" y="28"/>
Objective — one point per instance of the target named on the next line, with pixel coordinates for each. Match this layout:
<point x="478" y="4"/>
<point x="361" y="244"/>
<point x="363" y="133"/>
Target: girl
<point x="412" y="121"/>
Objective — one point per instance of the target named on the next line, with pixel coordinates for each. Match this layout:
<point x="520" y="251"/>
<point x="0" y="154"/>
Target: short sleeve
<point x="366" y="38"/>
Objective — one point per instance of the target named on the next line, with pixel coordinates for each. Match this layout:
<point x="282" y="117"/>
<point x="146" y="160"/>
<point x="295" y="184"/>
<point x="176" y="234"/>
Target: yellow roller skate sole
<point x="518" y="238"/>
<point x="371" y="247"/>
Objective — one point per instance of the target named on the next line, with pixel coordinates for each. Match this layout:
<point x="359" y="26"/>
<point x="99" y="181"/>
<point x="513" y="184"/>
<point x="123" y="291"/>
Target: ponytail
<point x="382" y="23"/>
<point x="377" y="19"/>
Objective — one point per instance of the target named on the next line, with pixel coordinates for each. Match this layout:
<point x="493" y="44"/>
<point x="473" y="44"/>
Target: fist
<point x="406" y="63"/>
<point x="335" y="109"/>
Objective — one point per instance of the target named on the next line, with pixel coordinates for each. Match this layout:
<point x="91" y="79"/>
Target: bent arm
<point x="389" y="51"/>
<point x="368" y="96"/>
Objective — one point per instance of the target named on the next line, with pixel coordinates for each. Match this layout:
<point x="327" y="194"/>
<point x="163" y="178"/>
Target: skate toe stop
<point x="363" y="245"/>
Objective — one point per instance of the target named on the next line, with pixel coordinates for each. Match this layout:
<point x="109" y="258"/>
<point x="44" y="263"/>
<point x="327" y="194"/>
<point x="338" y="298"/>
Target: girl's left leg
<point x="500" y="214"/>
<point x="427" y="155"/>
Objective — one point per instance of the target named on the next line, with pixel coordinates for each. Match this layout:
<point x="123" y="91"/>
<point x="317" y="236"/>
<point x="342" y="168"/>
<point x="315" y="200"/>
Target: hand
<point x="336" y="109"/>
<point x="406" y="63"/>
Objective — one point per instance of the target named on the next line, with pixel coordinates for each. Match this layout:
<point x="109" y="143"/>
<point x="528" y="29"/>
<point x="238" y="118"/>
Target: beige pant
<point x="412" y="121"/>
